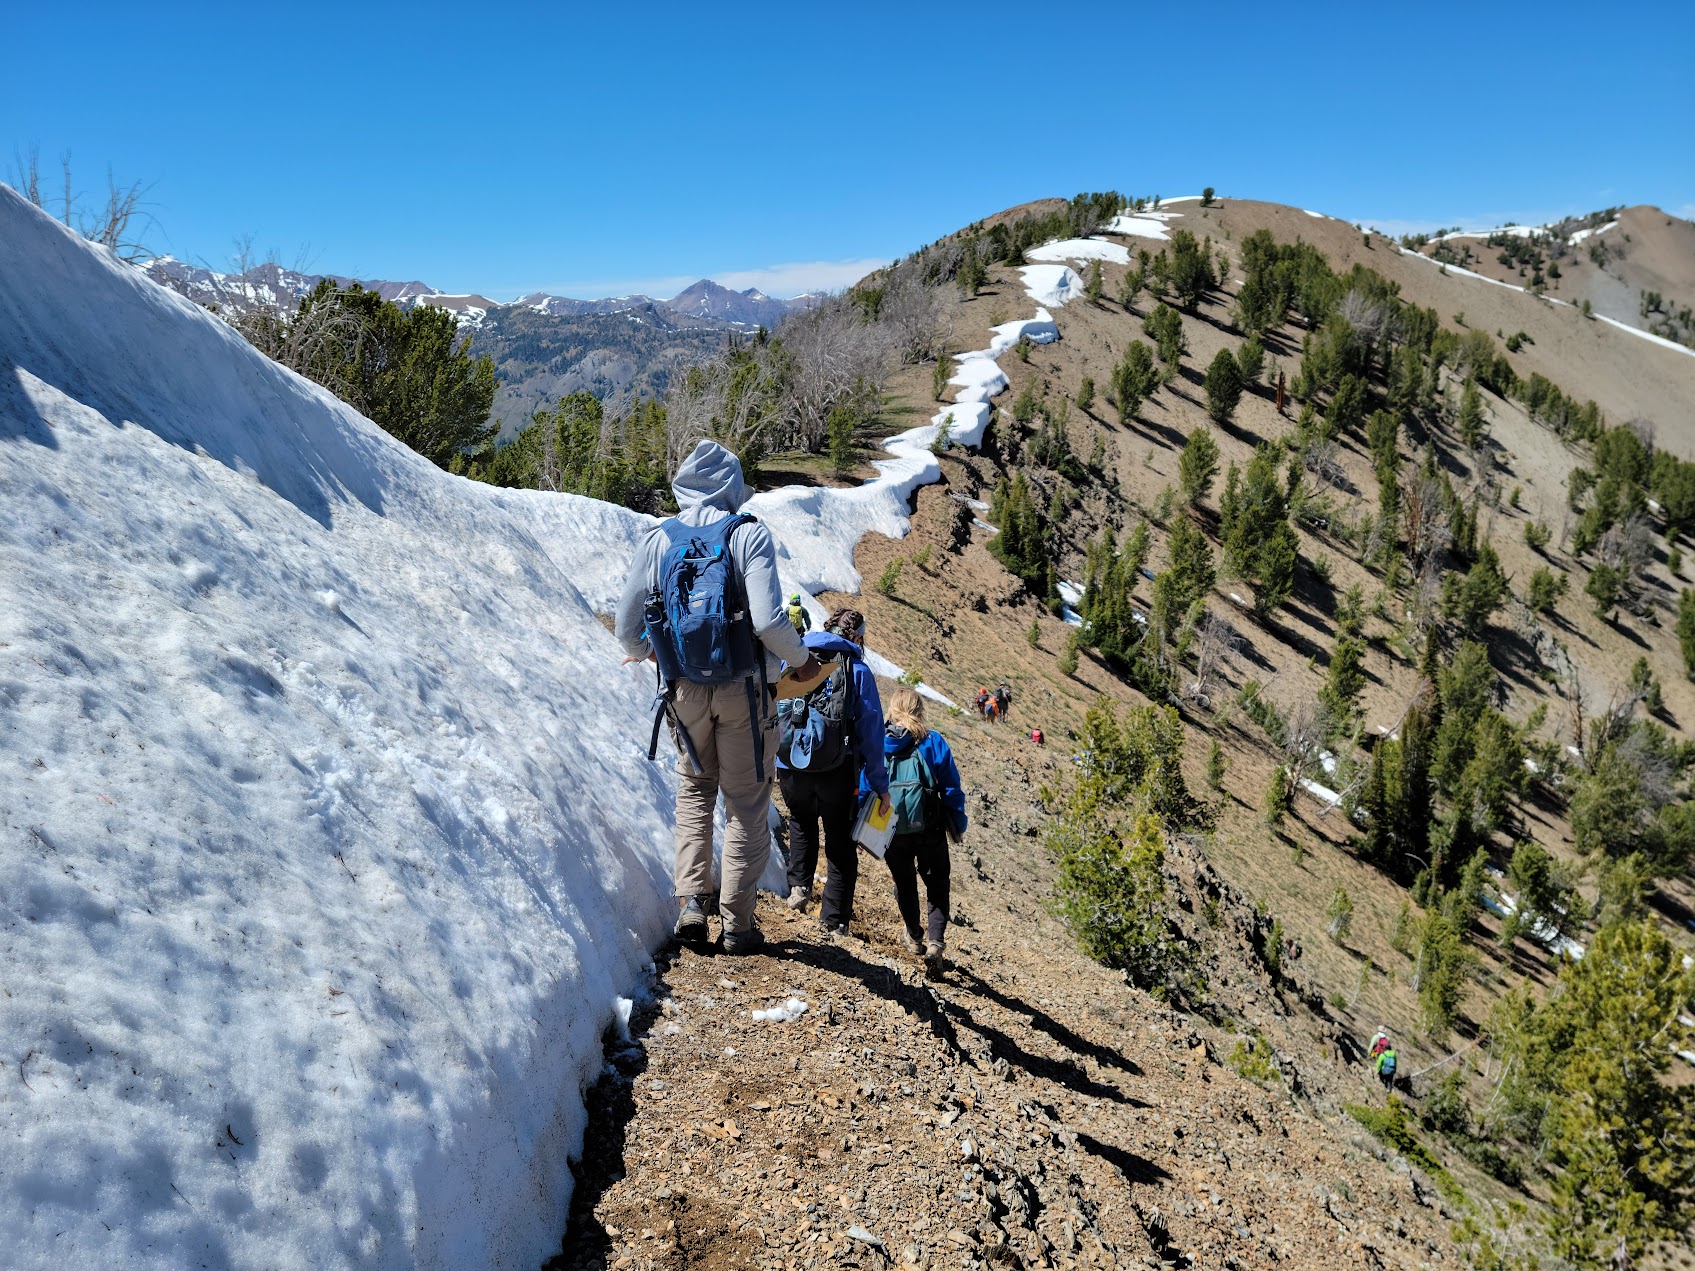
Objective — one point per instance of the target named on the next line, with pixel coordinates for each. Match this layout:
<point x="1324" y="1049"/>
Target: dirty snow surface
<point x="327" y="835"/>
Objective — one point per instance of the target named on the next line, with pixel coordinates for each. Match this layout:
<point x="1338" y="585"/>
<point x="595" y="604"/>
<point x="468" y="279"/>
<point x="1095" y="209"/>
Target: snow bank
<point x="1582" y="234"/>
<point x="1141" y="225"/>
<point x="1081" y="249"/>
<point x="1051" y="285"/>
<point x="328" y="834"/>
<point x="1070" y="595"/>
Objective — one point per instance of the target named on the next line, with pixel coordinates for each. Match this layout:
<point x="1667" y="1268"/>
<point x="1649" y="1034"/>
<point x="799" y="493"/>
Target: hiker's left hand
<point x="883" y="804"/>
<point x="636" y="658"/>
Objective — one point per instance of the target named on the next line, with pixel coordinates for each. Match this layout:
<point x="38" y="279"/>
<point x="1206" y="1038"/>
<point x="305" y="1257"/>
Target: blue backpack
<point x="697" y="623"/>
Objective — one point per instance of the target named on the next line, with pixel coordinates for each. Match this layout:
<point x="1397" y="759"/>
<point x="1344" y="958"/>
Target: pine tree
<point x="1223" y="387"/>
<point x="1377" y="844"/>
<point x="1033" y="637"/>
<point x="1215" y="765"/>
<point x="1068" y="658"/>
<point x="1086" y="394"/>
<point x="1191" y="269"/>
<point x="1471" y="600"/>
<point x="939" y="378"/>
<point x="1133" y="379"/>
<point x="1187" y="577"/>
<point x="1278" y="800"/>
<point x="1260" y="547"/>
<point x="1471" y="416"/>
<point x="1584" y="1077"/>
<point x="1686" y="629"/>
<point x="1250" y="360"/>
<point x="1092" y="282"/>
<point x="1345" y="680"/>
<point x="1165" y="328"/>
<point x="1197" y="466"/>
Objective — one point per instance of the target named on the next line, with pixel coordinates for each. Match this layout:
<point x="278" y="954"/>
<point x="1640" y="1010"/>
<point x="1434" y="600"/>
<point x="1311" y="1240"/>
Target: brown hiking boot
<point x="934" y="962"/>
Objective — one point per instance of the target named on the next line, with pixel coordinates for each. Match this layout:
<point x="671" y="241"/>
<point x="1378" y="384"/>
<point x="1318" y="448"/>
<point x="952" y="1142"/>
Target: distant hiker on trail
<point x="1036" y="736"/>
<point x="1003" y="701"/>
<point x="1379" y="1042"/>
<point x="1386" y="1065"/>
<point x="929" y="806"/>
<point x="703" y="601"/>
<point x="828" y="737"/>
<point x="987" y="707"/>
<point x="798" y="617"/>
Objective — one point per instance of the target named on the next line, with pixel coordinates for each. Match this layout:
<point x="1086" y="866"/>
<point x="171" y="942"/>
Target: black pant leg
<point x="803" y="826"/>
<point x="837" y="795"/>
<point x="902" y="860"/>
<point x="935" y="865"/>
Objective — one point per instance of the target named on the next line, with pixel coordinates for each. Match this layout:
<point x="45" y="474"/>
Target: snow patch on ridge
<point x="1080" y="249"/>
<point x="1052" y="286"/>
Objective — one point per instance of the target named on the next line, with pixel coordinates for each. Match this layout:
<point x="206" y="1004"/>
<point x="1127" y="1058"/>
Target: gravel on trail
<point x="1024" y="1110"/>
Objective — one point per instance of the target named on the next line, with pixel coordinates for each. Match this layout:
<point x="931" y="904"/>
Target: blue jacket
<point x="897" y="741"/>
<point x="868" y="708"/>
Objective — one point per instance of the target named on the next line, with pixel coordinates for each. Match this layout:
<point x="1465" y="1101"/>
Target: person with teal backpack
<point x="929" y="810"/>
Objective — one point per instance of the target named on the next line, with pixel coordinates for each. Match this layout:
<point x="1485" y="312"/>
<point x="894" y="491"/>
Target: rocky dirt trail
<point x="1027" y="1109"/>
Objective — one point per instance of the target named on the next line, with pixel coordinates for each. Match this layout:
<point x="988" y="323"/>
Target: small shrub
<point x="1033" y="637"/>
<point x="1254" y="1060"/>
<point x="1391" y="1127"/>
<point x="1277" y="798"/>
<point x="890" y="578"/>
<point x="1215" y="765"/>
<point x="1086" y="393"/>
<point x="1339" y="916"/>
<point x="1068" y="657"/>
<point x="1537" y="535"/>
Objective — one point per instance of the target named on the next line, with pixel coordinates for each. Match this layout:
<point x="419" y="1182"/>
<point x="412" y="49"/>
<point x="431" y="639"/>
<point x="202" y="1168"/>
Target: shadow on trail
<point x="945" y="1016"/>
<point x="611" y="1105"/>
<point x="1048" y="1025"/>
<point x="882" y="981"/>
<point x="1137" y="1169"/>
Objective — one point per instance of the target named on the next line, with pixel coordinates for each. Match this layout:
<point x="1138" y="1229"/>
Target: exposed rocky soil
<point x="1027" y="1109"/>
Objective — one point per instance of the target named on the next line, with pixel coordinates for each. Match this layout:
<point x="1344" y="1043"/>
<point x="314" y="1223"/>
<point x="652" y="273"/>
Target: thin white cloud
<point x="774" y="280"/>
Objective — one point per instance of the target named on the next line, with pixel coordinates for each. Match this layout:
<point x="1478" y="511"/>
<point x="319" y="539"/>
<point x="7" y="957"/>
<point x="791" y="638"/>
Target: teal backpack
<point x="912" y="791"/>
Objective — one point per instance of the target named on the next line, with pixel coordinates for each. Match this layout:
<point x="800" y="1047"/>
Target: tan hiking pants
<point x="716" y="717"/>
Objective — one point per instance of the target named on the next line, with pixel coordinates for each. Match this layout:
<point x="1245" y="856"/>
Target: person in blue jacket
<point x="922" y="852"/>
<point x="825" y="744"/>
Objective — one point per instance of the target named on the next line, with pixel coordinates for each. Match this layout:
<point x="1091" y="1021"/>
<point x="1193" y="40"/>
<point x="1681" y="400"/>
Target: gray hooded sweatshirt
<point x="709" y="487"/>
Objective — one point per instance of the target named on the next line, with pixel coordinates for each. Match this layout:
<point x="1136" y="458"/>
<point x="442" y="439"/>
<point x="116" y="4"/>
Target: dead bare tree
<point x="1215" y="645"/>
<point x="1306" y="727"/>
<point x="118" y="224"/>
<point x="915" y="314"/>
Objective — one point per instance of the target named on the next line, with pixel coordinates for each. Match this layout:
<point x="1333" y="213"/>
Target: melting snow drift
<point x="328" y="838"/>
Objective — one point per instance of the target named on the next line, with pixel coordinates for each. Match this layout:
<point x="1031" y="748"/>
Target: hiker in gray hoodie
<point x="720" y="730"/>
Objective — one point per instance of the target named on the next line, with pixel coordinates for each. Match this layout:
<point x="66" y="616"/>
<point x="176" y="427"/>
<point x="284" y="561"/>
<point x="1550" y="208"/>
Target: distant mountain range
<point x="543" y="346"/>
<point x="271" y="286"/>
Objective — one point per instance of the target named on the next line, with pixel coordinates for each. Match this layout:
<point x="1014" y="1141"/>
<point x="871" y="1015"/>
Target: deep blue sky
<point x="633" y="146"/>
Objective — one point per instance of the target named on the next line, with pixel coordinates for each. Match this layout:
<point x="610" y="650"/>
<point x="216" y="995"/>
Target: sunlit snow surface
<point x="1081" y="249"/>
<point x="327" y="833"/>
<point x="328" y="839"/>
<point x="1051" y="285"/>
